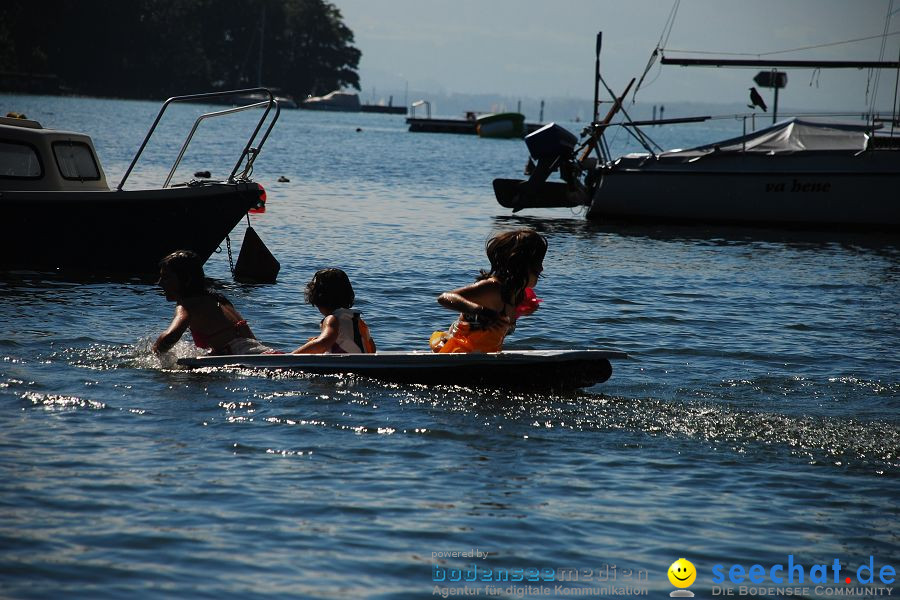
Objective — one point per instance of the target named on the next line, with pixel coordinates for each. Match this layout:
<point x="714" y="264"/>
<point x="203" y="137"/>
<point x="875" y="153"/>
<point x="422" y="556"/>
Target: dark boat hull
<point x="118" y="232"/>
<point x="556" y="370"/>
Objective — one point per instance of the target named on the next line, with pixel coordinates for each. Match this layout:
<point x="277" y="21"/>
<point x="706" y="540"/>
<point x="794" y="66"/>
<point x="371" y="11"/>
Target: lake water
<point x="756" y="418"/>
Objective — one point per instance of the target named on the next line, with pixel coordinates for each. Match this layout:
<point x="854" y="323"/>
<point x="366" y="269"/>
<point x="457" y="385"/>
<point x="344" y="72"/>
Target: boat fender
<point x="261" y="204"/>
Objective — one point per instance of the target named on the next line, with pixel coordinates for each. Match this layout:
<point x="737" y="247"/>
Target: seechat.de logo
<point x="791" y="572"/>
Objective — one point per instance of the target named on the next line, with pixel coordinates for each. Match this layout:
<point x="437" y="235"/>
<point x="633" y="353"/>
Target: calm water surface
<point x="756" y="418"/>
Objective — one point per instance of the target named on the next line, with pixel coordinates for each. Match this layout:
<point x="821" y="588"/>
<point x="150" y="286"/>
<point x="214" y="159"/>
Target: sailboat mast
<point x="597" y="76"/>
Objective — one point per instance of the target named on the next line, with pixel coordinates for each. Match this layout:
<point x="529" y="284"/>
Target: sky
<point x="541" y="49"/>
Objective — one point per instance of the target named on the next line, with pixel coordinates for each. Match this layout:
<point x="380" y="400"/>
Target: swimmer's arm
<point x="176" y="329"/>
<point x="479" y="299"/>
<point x="324" y="341"/>
<point x="472" y="298"/>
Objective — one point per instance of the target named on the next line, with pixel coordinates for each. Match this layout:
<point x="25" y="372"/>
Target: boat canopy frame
<point x="249" y="153"/>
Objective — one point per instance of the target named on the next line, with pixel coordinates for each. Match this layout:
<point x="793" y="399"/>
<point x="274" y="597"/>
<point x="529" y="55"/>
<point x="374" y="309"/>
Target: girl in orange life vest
<point x="214" y="322"/>
<point x="489" y="307"/>
<point x="343" y="331"/>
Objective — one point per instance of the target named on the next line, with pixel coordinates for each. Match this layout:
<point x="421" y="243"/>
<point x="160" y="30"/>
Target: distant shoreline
<point x="555" y="109"/>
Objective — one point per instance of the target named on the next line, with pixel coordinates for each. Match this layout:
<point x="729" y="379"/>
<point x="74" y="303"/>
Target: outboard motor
<point x="551" y="144"/>
<point x="553" y="147"/>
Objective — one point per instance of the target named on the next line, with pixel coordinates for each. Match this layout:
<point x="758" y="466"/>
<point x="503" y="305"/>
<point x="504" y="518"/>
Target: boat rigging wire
<point x="642" y="138"/>
<point x="605" y="146"/>
<point x="649" y="66"/>
<point x="814" y="77"/>
<point x="894" y="106"/>
<point x="670" y="24"/>
<point x="877" y="72"/>
<point x="663" y="40"/>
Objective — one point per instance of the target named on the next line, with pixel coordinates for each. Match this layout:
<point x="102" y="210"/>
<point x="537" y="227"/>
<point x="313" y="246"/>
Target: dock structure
<point x="381" y="108"/>
<point x="428" y="125"/>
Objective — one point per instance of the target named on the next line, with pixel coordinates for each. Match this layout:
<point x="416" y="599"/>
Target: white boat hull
<point x="809" y="189"/>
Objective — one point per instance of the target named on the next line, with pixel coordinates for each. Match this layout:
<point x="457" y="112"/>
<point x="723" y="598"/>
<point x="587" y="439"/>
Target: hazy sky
<point x="542" y="49"/>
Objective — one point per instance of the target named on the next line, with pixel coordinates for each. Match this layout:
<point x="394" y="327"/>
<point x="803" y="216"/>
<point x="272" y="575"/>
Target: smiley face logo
<point x="682" y="573"/>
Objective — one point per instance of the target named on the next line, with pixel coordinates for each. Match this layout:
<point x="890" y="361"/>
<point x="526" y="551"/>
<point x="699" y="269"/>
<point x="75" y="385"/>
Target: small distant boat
<point x="557" y="370"/>
<point x="335" y="101"/>
<point x="60" y="214"/>
<point x="500" y="125"/>
<point x="428" y="124"/>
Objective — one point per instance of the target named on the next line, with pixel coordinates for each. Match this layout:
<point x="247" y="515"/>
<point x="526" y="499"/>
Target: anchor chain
<point x="230" y="258"/>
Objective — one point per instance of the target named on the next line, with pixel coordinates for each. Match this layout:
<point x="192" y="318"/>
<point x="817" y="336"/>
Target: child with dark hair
<point x="342" y="330"/>
<point x="214" y="322"/>
<point x="489" y="307"/>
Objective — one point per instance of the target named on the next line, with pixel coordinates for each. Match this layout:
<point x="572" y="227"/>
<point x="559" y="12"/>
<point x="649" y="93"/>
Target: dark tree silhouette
<point x="158" y="48"/>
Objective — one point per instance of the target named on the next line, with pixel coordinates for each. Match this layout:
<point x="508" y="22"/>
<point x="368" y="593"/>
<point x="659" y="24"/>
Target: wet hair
<point x="514" y="255"/>
<point x="330" y="288"/>
<point x="188" y="270"/>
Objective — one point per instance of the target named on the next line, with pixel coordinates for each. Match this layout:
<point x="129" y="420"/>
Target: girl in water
<point x="489" y="307"/>
<point x="342" y="330"/>
<point x="214" y="322"/>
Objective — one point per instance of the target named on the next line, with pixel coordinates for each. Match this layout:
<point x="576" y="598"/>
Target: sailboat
<point x="799" y="172"/>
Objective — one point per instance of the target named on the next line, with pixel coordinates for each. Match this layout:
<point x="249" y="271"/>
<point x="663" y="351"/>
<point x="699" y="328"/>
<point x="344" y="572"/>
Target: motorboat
<point x="797" y="173"/>
<point x="500" y="125"/>
<point x="60" y="214"/>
